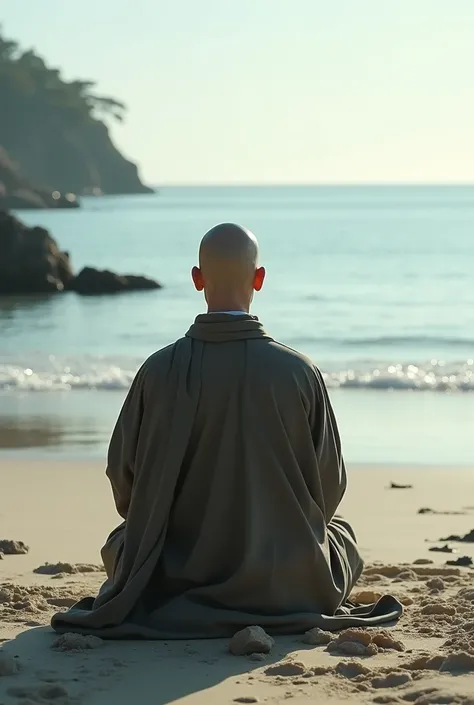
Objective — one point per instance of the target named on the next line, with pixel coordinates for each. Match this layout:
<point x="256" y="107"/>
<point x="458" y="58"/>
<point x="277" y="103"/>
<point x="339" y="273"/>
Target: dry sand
<point x="427" y="658"/>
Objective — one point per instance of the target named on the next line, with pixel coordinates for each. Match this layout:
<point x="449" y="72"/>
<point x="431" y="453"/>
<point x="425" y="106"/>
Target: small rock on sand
<point x="423" y="561"/>
<point x="366" y="597"/>
<point x="8" y="665"/>
<point x="76" y="642"/>
<point x="251" y="640"/>
<point x="436" y="584"/>
<point x="69" y="568"/>
<point x="287" y="669"/>
<point x="384" y="640"/>
<point x="13" y="548"/>
<point x="406" y="600"/>
<point x="246" y="699"/>
<point x="317" y="637"/>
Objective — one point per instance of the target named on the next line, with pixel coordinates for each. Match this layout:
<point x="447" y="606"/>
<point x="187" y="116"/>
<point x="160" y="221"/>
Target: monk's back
<point x="244" y="509"/>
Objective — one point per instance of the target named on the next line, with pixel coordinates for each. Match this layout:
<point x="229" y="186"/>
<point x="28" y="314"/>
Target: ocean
<point x="374" y="283"/>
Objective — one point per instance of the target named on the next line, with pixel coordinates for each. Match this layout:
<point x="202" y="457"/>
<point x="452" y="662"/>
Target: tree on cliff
<point x="54" y="130"/>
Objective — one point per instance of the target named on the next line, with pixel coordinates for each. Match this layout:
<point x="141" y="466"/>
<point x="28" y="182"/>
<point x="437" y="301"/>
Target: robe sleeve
<point x="327" y="444"/>
<point x="123" y="445"/>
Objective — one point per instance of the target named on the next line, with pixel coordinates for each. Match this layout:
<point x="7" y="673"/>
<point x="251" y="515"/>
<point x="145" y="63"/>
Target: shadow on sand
<point x="128" y="672"/>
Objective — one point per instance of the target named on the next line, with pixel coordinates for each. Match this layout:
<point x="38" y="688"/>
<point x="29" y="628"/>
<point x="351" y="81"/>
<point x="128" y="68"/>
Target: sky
<point x="273" y="91"/>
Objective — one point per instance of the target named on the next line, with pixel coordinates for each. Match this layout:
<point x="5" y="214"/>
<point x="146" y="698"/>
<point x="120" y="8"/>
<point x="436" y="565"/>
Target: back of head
<point x="228" y="267"/>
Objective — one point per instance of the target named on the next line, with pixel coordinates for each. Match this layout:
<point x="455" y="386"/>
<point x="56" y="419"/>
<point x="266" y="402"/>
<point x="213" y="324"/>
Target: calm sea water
<point x="374" y="283"/>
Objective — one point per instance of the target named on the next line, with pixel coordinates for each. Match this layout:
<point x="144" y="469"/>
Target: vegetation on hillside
<point x="53" y="129"/>
<point x="28" y="85"/>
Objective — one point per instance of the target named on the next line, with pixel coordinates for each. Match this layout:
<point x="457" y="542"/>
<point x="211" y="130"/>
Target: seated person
<point x="226" y="467"/>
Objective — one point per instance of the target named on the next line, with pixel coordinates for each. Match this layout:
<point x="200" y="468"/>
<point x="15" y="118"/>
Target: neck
<point x="228" y="304"/>
<point x="223" y="309"/>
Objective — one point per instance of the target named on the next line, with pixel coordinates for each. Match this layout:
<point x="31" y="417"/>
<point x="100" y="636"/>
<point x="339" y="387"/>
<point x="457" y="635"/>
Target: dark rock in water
<point x="13" y="548"/>
<point x="30" y="259"/>
<point x="467" y="538"/>
<point x="92" y="281"/>
<point x="396" y="486"/>
<point x="462" y="560"/>
<point x="443" y="549"/>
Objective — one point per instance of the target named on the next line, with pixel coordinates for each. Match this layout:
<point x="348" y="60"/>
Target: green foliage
<point x="30" y="89"/>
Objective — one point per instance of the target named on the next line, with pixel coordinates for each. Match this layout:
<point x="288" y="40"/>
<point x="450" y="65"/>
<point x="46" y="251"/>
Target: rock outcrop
<point x="92" y="281"/>
<point x="31" y="262"/>
<point x="17" y="192"/>
<point x="30" y="259"/>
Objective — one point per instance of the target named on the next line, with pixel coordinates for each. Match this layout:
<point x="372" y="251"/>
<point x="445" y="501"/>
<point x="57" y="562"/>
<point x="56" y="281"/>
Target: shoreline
<point x="376" y="428"/>
<point x="35" y="456"/>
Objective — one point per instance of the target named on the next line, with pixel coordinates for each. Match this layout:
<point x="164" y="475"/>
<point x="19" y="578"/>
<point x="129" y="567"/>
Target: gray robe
<point x="226" y="467"/>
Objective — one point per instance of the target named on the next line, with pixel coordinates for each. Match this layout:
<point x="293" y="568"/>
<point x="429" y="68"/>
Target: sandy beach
<point x="427" y="658"/>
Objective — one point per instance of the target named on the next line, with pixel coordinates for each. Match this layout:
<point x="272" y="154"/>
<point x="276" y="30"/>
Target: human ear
<point x="259" y="278"/>
<point x="196" y="275"/>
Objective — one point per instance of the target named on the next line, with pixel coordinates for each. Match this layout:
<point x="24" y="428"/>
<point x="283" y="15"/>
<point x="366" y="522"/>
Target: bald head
<point x="228" y="265"/>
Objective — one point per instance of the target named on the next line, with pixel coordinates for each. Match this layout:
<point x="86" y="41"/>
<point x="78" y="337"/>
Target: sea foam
<point x="53" y="374"/>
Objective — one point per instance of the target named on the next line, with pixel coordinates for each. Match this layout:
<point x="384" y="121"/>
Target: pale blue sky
<point x="285" y="91"/>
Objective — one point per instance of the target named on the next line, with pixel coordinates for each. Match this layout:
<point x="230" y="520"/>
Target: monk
<point x="226" y="468"/>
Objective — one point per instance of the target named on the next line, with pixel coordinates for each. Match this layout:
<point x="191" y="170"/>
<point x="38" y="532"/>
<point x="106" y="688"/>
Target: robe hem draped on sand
<point x="225" y="465"/>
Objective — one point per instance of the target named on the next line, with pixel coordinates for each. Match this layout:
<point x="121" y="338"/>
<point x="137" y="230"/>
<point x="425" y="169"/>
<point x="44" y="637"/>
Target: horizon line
<point x="319" y="184"/>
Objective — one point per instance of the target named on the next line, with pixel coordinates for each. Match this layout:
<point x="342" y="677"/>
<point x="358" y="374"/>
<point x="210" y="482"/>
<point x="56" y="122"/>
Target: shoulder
<point x="157" y="364"/>
<point x="161" y="357"/>
<point x="290" y="358"/>
<point x="300" y="366"/>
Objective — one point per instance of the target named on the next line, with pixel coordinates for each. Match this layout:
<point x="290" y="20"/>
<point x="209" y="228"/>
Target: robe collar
<point x="225" y="327"/>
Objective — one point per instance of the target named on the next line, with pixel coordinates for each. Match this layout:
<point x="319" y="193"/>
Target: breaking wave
<point x="56" y="375"/>
<point x="420" y="340"/>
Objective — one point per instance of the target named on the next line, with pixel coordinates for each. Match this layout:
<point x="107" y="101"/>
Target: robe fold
<point x="226" y="468"/>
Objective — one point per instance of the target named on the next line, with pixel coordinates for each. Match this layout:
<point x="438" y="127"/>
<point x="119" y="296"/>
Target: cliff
<point x="18" y="192"/>
<point x="52" y="132"/>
